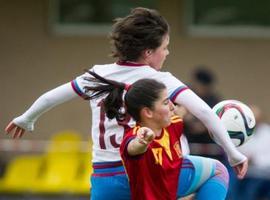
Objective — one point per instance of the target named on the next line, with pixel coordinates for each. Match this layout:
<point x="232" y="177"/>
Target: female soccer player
<point x="151" y="150"/>
<point x="140" y="42"/>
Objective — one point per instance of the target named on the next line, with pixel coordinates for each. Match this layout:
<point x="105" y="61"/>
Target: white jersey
<point x="107" y="134"/>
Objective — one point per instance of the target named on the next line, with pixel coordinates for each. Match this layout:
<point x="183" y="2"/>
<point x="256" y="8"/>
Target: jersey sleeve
<point x="174" y="85"/>
<point x="43" y="104"/>
<point x="123" y="147"/>
<point x="79" y="84"/>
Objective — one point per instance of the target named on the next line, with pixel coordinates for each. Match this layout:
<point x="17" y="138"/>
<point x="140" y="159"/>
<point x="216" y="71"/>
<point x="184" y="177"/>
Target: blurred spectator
<point x="202" y="83"/>
<point x="256" y="185"/>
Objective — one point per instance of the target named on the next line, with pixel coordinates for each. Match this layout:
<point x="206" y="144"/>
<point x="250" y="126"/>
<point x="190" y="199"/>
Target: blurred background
<point x="45" y="43"/>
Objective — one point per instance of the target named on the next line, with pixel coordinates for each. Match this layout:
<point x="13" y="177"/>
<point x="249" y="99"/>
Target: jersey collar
<point x="129" y="63"/>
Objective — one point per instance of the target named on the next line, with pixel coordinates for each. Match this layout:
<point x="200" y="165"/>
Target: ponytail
<point x="142" y="93"/>
<point x="113" y="102"/>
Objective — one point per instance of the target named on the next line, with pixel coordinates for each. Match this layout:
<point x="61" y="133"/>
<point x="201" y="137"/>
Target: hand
<point x="140" y="144"/>
<point x="241" y="169"/>
<point x="14" y="130"/>
<point x="145" y="135"/>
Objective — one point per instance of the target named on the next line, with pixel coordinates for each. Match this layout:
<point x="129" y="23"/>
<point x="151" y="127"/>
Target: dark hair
<point x="142" y="29"/>
<point x="142" y="93"/>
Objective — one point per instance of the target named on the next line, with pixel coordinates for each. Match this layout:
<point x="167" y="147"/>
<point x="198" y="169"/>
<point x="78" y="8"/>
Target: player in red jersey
<point x="151" y="150"/>
<point x="154" y="172"/>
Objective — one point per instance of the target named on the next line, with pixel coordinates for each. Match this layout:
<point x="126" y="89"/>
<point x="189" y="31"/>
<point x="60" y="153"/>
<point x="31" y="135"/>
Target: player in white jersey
<point x="140" y="42"/>
<point x="107" y="137"/>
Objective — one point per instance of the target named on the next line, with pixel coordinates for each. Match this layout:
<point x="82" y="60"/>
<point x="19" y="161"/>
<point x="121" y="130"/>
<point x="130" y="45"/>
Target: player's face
<point x="163" y="110"/>
<point x="158" y="56"/>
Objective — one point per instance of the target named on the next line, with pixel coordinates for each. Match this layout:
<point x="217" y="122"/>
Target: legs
<point x="110" y="183"/>
<point x="207" y="177"/>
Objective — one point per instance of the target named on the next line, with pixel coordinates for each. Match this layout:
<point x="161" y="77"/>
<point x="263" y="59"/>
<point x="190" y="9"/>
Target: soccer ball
<point x="238" y="119"/>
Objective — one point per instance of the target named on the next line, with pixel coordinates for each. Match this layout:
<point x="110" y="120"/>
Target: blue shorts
<point x="109" y="181"/>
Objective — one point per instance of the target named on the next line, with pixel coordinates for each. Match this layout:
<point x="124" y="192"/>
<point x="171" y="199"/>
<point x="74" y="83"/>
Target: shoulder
<point x="176" y="124"/>
<point x="176" y="119"/>
<point x="102" y="66"/>
<point x="131" y="132"/>
<point x="172" y="83"/>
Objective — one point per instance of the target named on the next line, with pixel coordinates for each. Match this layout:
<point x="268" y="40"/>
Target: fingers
<point x="10" y="127"/>
<point x="149" y="134"/>
<point x="14" y="130"/>
<point x="146" y="134"/>
<point x="18" y="133"/>
<point x="141" y="133"/>
<point x="241" y="169"/>
<point x="144" y="131"/>
<point x="21" y="133"/>
<point x="240" y="175"/>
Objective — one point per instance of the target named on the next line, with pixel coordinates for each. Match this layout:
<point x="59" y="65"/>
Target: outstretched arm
<point x="202" y="111"/>
<point x="140" y="143"/>
<point x="44" y="103"/>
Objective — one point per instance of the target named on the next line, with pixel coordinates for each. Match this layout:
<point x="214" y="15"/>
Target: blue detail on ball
<point x="237" y="135"/>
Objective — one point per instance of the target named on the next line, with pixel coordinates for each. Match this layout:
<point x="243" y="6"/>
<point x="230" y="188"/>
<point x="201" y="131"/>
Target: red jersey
<point x="154" y="174"/>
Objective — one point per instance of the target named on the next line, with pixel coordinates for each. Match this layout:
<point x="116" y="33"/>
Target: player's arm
<point x="139" y="144"/>
<point x="203" y="112"/>
<point x="195" y="105"/>
<point x="44" y="103"/>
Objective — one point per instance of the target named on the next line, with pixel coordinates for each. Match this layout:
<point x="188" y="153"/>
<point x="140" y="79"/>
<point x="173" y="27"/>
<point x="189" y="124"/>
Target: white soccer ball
<point x="238" y="119"/>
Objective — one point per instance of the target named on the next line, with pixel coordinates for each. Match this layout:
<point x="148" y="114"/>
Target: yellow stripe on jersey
<point x="165" y="143"/>
<point x="157" y="152"/>
<point x="135" y="129"/>
<point x="175" y="119"/>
